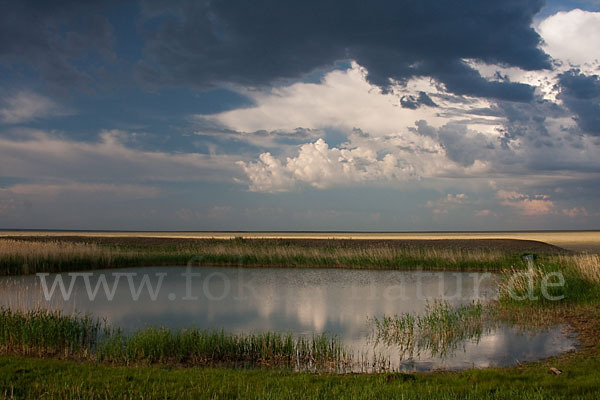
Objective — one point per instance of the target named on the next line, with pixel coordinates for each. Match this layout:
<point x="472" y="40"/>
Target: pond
<point x="301" y="301"/>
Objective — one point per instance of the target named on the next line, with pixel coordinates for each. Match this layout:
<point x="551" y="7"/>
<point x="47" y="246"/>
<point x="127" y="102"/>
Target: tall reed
<point x="28" y="257"/>
<point x="43" y="332"/>
<point x="563" y="279"/>
<point x="589" y="266"/>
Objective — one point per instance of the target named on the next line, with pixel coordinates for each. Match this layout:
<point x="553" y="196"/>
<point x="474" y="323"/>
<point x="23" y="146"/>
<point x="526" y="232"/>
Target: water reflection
<point x="301" y="301"/>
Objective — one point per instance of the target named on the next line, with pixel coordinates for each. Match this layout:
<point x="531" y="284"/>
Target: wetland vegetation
<point x="439" y="330"/>
<point x="28" y="255"/>
<point x="561" y="287"/>
<point x="45" y="333"/>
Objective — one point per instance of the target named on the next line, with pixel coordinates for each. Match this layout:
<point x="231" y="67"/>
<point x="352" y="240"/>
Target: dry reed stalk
<point x="589" y="266"/>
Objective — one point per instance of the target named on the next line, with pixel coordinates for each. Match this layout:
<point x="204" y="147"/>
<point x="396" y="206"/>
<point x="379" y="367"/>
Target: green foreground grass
<point x="29" y="378"/>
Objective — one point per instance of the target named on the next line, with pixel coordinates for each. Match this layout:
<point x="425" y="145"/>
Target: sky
<point x="387" y="115"/>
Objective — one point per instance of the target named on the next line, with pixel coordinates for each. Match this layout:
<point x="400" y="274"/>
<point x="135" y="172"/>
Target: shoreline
<point x="585" y="241"/>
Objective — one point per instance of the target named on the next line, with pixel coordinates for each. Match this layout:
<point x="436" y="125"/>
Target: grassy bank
<point x="561" y="280"/>
<point x="27" y="378"/>
<point x="32" y="255"/>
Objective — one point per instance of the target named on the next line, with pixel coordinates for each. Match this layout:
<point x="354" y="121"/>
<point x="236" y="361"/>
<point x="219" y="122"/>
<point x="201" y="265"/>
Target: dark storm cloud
<point x="461" y="79"/>
<point x="528" y="120"/>
<point x="259" y="42"/>
<point x="413" y="102"/>
<point x="59" y="40"/>
<point x="581" y="95"/>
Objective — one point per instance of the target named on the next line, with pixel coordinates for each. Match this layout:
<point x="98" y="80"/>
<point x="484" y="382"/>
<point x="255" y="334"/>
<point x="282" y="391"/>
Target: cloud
<point x="460" y="138"/>
<point x="215" y="212"/>
<point x="344" y="100"/>
<point x="528" y="121"/>
<point x="207" y="43"/>
<point x="26" y="106"/>
<point x="277" y="139"/>
<point x="7" y="205"/>
<point x="464" y="146"/>
<point x="322" y="167"/>
<point x="414" y="102"/>
<point x="581" y="94"/>
<point x="446" y="204"/>
<point x="459" y="198"/>
<point x="572" y="37"/>
<point x="55" y="39"/>
<point x="485" y="213"/>
<point x="575" y="212"/>
<point x="460" y="78"/>
<point x="452" y="150"/>
<point x="54" y="190"/>
<point x="505" y="137"/>
<point x="525" y="204"/>
<point x="268" y="175"/>
<point x="42" y="156"/>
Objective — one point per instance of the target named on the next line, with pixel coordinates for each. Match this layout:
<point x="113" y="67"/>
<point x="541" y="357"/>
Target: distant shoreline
<point x="581" y="241"/>
<point x="2" y="230"/>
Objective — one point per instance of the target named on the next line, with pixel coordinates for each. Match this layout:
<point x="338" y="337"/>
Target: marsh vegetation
<point x="46" y="333"/>
<point x="571" y="280"/>
<point x="28" y="255"/>
<point x="439" y="330"/>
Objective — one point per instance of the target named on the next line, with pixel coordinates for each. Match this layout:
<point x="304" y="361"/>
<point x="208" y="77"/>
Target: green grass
<point x="27" y="378"/>
<point x="556" y="281"/>
<point x="51" y="334"/>
<point x="439" y="330"/>
<point x="46" y="333"/>
<point x="195" y="347"/>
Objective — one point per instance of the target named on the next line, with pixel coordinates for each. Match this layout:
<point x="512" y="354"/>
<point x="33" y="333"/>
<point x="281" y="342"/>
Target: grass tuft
<point x="440" y="330"/>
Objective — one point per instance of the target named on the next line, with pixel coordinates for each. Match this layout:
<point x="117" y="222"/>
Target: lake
<point x="301" y="301"/>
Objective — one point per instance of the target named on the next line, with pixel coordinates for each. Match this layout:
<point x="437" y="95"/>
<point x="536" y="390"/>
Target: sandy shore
<point x="588" y="241"/>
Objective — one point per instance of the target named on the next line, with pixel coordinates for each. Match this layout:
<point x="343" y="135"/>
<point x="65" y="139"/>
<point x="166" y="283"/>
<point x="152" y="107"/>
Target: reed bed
<point x="439" y="331"/>
<point x="562" y="279"/>
<point x="27" y="257"/>
<point x="47" y="333"/>
<point x="196" y="347"/>
<point x="21" y="257"/>
<point x="51" y="334"/>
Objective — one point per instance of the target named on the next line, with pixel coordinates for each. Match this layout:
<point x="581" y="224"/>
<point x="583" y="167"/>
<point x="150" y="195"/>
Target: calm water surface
<point x="300" y="301"/>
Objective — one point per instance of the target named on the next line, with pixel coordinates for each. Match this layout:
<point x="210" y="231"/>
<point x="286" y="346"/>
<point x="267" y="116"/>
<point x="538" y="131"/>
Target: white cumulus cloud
<point x="320" y="166"/>
<point x="572" y="37"/>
